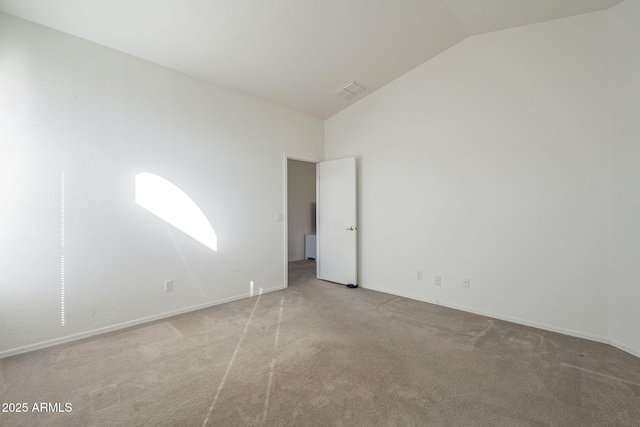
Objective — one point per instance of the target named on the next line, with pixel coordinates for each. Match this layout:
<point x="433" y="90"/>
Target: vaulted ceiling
<point x="292" y="52"/>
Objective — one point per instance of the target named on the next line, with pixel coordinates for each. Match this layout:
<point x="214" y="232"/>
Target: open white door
<point x="336" y="225"/>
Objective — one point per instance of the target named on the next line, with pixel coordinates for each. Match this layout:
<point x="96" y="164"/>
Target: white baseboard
<point x="401" y="294"/>
<point x="546" y="327"/>
<point x="90" y="333"/>
<point x="626" y="348"/>
<point x="86" y="334"/>
<point x="573" y="333"/>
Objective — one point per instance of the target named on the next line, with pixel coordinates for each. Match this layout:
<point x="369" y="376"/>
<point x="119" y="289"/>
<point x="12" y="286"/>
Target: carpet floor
<point x="319" y="354"/>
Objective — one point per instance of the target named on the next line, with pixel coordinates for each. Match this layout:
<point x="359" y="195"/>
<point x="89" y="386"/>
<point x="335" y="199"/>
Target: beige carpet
<point x="319" y="354"/>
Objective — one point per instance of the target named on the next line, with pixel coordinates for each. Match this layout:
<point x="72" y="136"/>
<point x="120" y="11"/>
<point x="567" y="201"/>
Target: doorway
<point x="334" y="223"/>
<point x="301" y="211"/>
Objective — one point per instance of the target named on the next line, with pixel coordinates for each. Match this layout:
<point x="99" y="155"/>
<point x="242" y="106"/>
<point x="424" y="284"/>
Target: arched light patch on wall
<point x="165" y="200"/>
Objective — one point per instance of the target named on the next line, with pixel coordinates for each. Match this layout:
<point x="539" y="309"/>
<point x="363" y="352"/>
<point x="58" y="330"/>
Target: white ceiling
<point x="292" y="52"/>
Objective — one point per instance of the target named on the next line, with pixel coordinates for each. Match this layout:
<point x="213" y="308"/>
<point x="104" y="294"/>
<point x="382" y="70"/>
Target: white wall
<point x="624" y="29"/>
<point x="490" y="162"/>
<point x="101" y="117"/>
<point x="301" y="200"/>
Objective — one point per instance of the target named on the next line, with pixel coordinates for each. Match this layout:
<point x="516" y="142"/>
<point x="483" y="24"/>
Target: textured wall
<point x="101" y="117"/>
<point x="624" y="29"/>
<point x="490" y="162"/>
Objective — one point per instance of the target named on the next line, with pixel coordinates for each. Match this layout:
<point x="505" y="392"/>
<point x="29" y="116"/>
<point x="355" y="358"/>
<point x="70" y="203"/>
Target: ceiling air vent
<point x="350" y="90"/>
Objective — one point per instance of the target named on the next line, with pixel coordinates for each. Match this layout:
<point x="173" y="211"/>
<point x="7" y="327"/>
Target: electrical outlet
<point x="465" y="284"/>
<point x="168" y="285"/>
<point x="438" y="281"/>
<point x="419" y="275"/>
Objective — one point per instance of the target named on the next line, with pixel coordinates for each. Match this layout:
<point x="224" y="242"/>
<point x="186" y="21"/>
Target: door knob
<point x="352" y="228"/>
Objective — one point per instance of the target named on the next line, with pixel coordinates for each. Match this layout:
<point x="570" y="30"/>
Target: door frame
<point x="305" y="159"/>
